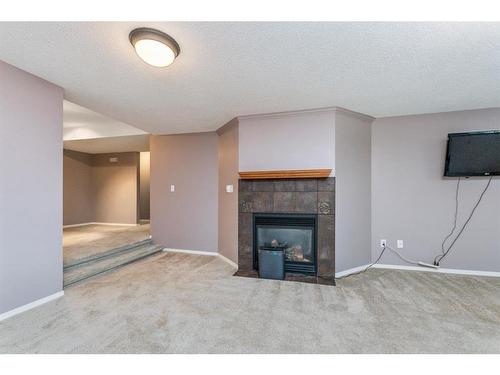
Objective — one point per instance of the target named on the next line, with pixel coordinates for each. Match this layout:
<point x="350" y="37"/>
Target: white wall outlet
<point x="383" y="243"/>
<point x="172" y="188"/>
<point x="400" y="244"/>
<point x="229" y="188"/>
<point x="113" y="160"/>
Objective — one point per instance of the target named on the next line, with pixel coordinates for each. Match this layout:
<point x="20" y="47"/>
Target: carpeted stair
<point x="107" y="261"/>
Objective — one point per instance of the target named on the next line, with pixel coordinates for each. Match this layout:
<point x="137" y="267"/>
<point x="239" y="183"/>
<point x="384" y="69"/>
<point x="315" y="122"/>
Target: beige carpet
<point x="178" y="303"/>
<point x="82" y="242"/>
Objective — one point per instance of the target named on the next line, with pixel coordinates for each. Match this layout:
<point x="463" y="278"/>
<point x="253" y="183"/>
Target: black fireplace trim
<point x="295" y="219"/>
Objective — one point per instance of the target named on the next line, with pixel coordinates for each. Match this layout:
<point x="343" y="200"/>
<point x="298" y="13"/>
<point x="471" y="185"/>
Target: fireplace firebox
<point x="294" y="234"/>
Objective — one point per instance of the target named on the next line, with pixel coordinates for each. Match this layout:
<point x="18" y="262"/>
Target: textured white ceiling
<point x="109" y="144"/>
<point x="230" y="69"/>
<point x="82" y="123"/>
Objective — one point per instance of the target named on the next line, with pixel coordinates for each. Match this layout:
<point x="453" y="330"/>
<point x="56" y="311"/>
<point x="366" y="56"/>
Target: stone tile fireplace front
<point x="296" y="214"/>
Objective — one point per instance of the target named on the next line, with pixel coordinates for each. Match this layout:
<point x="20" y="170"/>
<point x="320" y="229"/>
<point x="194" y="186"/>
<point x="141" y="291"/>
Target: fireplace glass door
<point x="295" y="235"/>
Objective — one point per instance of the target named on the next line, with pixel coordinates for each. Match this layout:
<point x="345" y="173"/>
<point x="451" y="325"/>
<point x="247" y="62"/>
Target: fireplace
<point x="295" y="234"/>
<point x="299" y="215"/>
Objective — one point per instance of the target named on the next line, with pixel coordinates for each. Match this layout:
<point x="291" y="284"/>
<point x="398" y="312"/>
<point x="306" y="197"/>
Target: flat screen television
<point x="473" y="154"/>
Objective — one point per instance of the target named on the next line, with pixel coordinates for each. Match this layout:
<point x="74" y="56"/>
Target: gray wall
<point x="353" y="190"/>
<point x="293" y="140"/>
<point x="413" y="202"/>
<point x="116" y="187"/>
<point x="78" y="197"/>
<point x="30" y="188"/>
<point x="228" y="202"/>
<point x="96" y="190"/>
<point x="187" y="218"/>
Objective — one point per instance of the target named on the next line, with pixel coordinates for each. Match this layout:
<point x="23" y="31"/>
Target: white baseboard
<point x="362" y="267"/>
<point x="99" y="223"/>
<point x="421" y="269"/>
<point x="31" y="305"/>
<point x="198" y="252"/>
<point x="117" y="224"/>
<point x="351" y="270"/>
<point x="227" y="260"/>
<point x="194" y="252"/>
<point x="439" y="270"/>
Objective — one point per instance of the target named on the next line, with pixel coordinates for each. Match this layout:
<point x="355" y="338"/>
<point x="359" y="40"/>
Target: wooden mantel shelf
<point x="292" y="173"/>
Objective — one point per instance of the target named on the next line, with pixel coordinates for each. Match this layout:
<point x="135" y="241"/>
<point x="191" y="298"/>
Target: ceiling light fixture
<point x="154" y="47"/>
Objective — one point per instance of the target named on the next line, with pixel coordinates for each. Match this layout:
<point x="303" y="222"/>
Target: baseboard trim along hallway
<point x="99" y="223"/>
<point x="31" y="305"/>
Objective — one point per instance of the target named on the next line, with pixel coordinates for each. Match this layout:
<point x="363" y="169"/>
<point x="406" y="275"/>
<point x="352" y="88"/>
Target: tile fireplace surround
<point x="292" y="196"/>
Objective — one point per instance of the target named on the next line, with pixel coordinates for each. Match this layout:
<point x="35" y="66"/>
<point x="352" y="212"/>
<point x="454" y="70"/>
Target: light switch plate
<point x="172" y="188"/>
<point x="229" y="188"/>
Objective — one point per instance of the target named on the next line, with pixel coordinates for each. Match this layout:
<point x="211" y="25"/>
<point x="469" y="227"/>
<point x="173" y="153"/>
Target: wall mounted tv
<point x="473" y="154"/>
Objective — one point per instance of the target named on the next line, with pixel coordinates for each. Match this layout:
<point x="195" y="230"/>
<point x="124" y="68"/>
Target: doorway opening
<point x="106" y="219"/>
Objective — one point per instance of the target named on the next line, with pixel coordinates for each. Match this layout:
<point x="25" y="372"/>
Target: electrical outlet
<point x="400" y="244"/>
<point x="383" y="243"/>
<point x="172" y="188"/>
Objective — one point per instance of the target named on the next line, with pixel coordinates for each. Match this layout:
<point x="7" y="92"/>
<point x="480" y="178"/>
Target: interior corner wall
<point x="186" y="218"/>
<point x="97" y="190"/>
<point x="352" y="190"/>
<point x="412" y="201"/>
<point x="30" y="188"/>
<point x="144" y="183"/>
<point x="78" y="198"/>
<point x="228" y="202"/>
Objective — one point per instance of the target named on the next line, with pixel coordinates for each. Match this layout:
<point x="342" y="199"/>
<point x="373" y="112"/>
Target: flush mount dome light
<point x="154" y="47"/>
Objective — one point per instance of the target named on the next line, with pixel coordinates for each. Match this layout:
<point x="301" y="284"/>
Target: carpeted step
<point x="107" y="253"/>
<point x="110" y="262"/>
